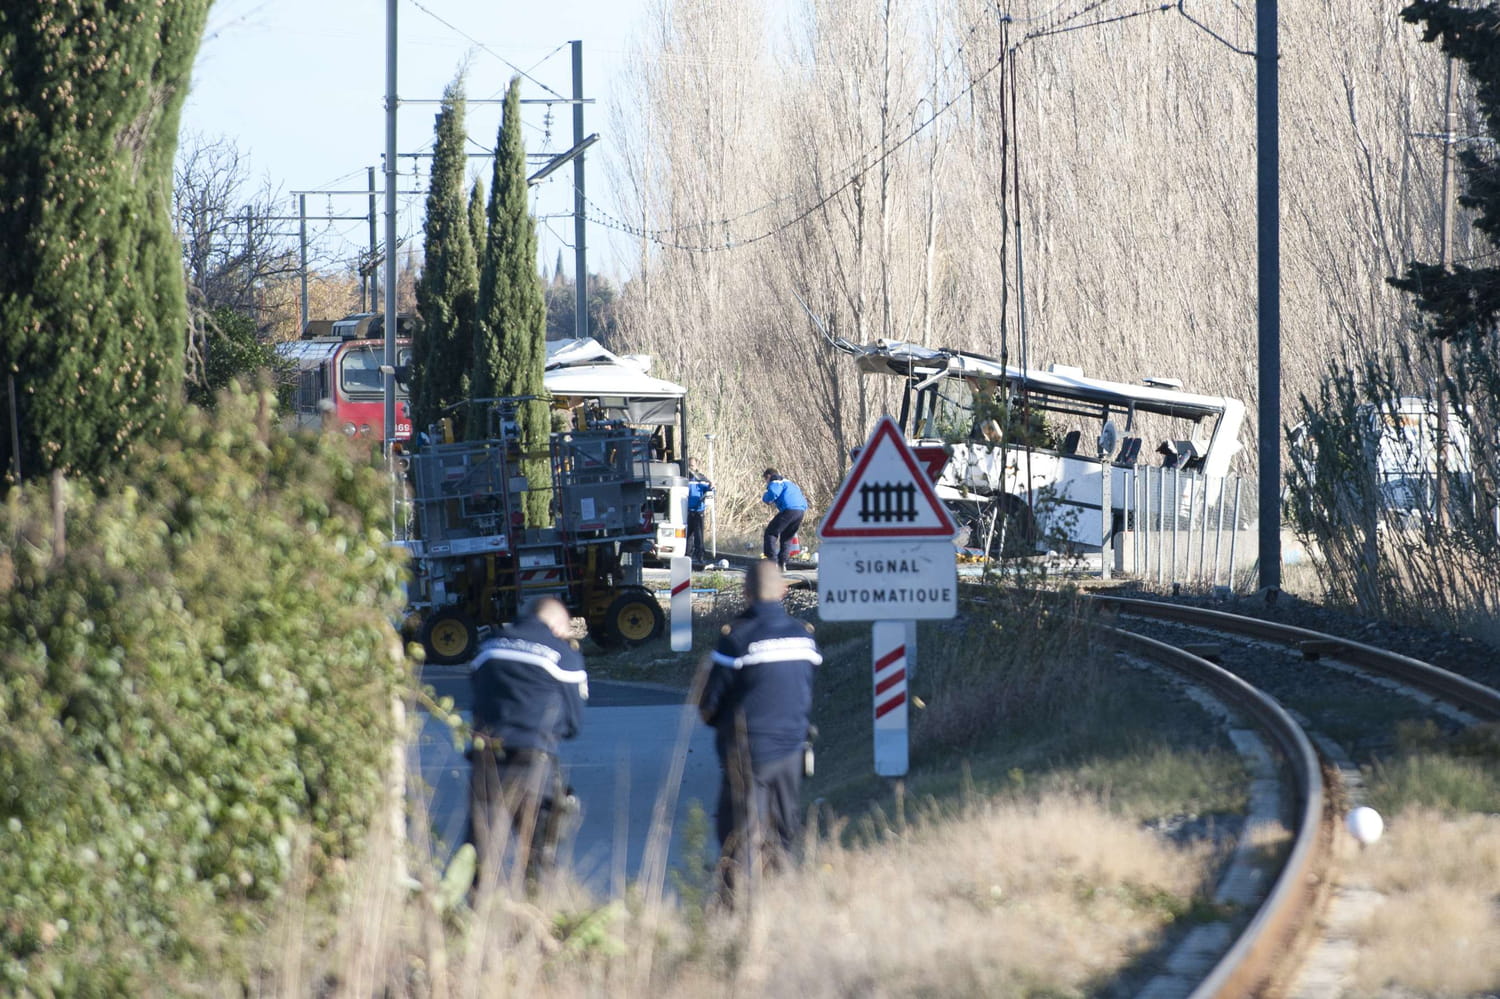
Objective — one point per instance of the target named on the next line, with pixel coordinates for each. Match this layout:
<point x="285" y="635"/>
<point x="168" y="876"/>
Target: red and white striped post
<point x="887" y="557"/>
<point x="890" y="676"/>
<point x="682" y="604"/>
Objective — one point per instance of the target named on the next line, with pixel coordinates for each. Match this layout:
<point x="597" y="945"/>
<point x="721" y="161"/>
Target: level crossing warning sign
<point x="887" y="495"/>
<point x="888" y="557"/>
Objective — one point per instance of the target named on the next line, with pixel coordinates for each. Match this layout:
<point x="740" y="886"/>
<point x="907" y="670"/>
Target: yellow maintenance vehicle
<point x="475" y="563"/>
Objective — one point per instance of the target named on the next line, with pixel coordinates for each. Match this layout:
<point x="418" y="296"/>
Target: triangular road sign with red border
<point x="887" y="494"/>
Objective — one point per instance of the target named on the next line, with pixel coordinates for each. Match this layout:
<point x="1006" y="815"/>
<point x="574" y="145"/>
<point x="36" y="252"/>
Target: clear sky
<point x="299" y="87"/>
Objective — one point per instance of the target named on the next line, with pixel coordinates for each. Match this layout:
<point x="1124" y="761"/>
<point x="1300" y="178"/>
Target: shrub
<point x="197" y="668"/>
<point x="1021" y="657"/>
<point x="1361" y="487"/>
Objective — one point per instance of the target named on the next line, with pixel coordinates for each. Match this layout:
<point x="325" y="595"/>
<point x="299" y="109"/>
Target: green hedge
<point x="205" y="674"/>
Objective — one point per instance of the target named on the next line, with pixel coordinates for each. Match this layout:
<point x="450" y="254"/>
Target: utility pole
<point x="303" y="218"/>
<point x="302" y="241"/>
<point x="374" y="249"/>
<point x="1268" y="239"/>
<point x="388" y="367"/>
<point x="580" y="246"/>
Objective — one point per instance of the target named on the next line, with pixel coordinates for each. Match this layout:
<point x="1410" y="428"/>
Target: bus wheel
<point x="633" y="617"/>
<point x="449" y="636"/>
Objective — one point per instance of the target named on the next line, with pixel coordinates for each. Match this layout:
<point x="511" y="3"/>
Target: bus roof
<point x="907" y="359"/>
<point x="585" y="368"/>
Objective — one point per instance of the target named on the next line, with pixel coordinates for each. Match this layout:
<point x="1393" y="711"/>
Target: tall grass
<point x="1051" y="897"/>
<point x="1025" y="657"/>
<point x="1054" y="891"/>
<point x="1436" y="929"/>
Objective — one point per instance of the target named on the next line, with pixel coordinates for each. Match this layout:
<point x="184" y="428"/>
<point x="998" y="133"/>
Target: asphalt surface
<point x="618" y="767"/>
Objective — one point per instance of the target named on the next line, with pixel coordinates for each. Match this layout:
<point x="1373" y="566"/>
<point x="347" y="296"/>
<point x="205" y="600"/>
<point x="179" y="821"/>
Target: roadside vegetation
<point x="200" y="687"/>
<point x="1051" y="850"/>
<point x="1434" y="931"/>
<point x="198" y="682"/>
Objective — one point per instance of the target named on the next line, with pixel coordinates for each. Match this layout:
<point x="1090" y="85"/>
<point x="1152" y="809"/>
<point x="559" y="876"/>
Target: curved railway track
<point x="1261" y="951"/>
<point x="1260" y="955"/>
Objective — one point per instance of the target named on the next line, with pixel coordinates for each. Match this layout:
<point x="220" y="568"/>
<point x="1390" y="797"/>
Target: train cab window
<point x="359" y="373"/>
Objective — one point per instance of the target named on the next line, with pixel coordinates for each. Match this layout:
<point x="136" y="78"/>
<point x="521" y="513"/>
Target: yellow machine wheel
<point x="634" y="617"/>
<point x="449" y="636"/>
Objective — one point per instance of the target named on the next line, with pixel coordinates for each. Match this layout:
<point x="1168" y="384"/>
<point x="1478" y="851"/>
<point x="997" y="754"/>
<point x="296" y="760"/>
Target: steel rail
<point x="1252" y="960"/>
<point x="1460" y="691"/>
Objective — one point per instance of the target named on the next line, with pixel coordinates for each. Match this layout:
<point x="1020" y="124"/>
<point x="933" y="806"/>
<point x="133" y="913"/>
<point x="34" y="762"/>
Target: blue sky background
<point x="299" y="87"/>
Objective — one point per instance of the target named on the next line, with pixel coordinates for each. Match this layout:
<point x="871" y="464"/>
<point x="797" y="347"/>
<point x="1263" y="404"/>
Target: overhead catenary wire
<point x="729" y="220"/>
<point x="663" y="236"/>
<point x="1182" y="9"/>
<point x="482" y="47"/>
<point x="1043" y="26"/>
<point x="863" y="164"/>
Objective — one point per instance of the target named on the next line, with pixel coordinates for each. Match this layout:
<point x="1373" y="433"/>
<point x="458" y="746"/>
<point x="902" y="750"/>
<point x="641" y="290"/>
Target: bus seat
<point x="1177" y="454"/>
<point x="1129" y="451"/>
<point x="1070" y="441"/>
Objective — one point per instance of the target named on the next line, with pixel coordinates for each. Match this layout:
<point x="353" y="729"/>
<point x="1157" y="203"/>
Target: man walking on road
<point x="758" y="697"/>
<point x="791" y="507"/>
<point x="529" y="691"/>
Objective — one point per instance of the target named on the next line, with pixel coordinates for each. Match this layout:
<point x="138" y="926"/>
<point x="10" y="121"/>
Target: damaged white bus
<point x="1026" y="448"/>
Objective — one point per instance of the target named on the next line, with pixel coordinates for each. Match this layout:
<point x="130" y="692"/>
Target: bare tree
<point x="852" y="159"/>
<point x="234" y="244"/>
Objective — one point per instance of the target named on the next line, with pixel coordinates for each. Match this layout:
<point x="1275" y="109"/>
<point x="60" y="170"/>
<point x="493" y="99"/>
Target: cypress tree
<point x="476" y="218"/>
<point x="93" y="314"/>
<point x="510" y="348"/>
<point x="448" y="291"/>
<point x="1463" y="302"/>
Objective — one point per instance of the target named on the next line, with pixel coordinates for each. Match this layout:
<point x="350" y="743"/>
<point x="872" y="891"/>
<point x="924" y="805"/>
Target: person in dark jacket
<point x="758" y="698"/>
<point x="529" y="692"/>
<point x="697" y="503"/>
<point x="791" y="507"/>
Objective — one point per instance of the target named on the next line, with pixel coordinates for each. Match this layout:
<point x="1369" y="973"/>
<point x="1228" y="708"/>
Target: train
<point x="338" y="377"/>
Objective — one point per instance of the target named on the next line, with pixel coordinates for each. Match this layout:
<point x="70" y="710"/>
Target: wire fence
<point x="1186" y="528"/>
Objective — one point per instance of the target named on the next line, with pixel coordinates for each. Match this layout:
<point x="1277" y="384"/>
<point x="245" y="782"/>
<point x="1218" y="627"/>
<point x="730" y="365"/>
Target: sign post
<point x="682" y="604"/>
<point x="889" y="654"/>
<point x="887" y="556"/>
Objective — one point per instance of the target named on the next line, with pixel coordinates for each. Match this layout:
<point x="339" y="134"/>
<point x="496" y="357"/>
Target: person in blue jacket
<point x="791" y="507"/>
<point x="529" y="692"/>
<point x="758" y="697"/>
<point x="698" y="489"/>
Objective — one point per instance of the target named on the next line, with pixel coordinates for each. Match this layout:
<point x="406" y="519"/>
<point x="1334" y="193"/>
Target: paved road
<point x="617" y="766"/>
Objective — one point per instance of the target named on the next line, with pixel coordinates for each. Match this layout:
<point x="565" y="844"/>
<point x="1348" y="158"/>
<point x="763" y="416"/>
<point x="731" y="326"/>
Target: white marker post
<point x="682" y="604"/>
<point x="888" y="557"/>
<point x="890" y="658"/>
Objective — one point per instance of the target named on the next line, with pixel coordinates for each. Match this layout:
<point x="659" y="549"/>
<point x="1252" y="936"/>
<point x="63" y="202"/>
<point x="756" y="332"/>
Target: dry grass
<point x="1449" y="585"/>
<point x="1437" y="932"/>
<point x="1054" y="897"/>
<point x="1052" y="887"/>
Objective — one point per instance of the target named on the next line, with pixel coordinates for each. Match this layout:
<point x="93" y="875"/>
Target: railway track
<point x="1267" y="949"/>
<point x="1302" y="779"/>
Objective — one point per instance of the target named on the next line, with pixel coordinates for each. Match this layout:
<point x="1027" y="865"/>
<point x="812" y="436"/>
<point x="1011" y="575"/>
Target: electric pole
<point x="303" y="218"/>
<point x="1268" y="239"/>
<point x="580" y="245"/>
<point x="388" y="367"/>
<point x="374" y="250"/>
